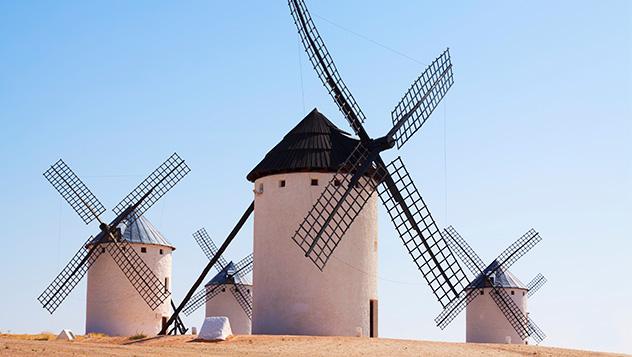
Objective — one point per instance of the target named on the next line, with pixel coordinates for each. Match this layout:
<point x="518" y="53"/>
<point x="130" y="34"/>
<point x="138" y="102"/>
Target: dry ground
<point x="99" y="345"/>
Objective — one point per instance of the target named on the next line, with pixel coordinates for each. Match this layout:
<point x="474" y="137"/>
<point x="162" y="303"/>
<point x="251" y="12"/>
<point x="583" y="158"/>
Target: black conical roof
<point x="314" y="145"/>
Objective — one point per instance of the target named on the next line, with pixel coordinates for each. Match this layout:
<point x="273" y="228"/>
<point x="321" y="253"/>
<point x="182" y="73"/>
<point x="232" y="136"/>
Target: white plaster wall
<point x="114" y="307"/>
<point x="485" y="323"/>
<point x="225" y="304"/>
<point x="293" y="296"/>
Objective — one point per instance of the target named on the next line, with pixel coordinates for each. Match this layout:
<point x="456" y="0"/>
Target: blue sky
<point x="534" y="133"/>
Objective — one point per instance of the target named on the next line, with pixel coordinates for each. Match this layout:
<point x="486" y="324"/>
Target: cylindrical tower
<point x="225" y="304"/>
<point x="293" y="296"/>
<point x="114" y="307"/>
<point x="485" y="322"/>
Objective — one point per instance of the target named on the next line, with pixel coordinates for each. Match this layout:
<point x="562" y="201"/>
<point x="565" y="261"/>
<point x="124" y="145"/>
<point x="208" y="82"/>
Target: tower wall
<point x="485" y="323"/>
<point x="114" y="307"/>
<point x="293" y="296"/>
<point x="225" y="304"/>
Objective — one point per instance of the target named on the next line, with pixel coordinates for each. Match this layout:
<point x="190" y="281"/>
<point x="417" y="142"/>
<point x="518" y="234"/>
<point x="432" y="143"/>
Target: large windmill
<point x="364" y="171"/>
<point x="151" y="289"/>
<point x="495" y="313"/>
<point x="236" y="303"/>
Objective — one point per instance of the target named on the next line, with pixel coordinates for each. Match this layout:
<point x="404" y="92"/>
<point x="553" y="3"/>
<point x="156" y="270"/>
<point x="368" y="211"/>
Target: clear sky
<point x="534" y="133"/>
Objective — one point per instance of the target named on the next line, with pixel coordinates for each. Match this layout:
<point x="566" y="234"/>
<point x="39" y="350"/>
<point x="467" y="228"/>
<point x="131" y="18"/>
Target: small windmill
<point x="229" y="275"/>
<point x="364" y="171"/>
<point x="150" y="288"/>
<point x="485" y="324"/>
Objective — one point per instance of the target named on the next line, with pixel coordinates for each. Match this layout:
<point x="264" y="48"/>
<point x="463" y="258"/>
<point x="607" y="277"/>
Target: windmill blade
<point x="516" y="250"/>
<point x="243" y="297"/>
<point x="421" y="99"/>
<point x="420" y="234"/>
<point x="149" y="287"/>
<point x="70" y="276"/>
<point x="535" y="284"/>
<point x="325" y="68"/>
<point x="535" y="332"/>
<point x="454" y="308"/>
<point x="462" y="249"/>
<point x="244" y="266"/>
<point x="201" y="297"/>
<point x="524" y="326"/>
<point x="512" y="312"/>
<point x="337" y="207"/>
<point x="153" y="187"/>
<point x="74" y="191"/>
<point x="209" y="248"/>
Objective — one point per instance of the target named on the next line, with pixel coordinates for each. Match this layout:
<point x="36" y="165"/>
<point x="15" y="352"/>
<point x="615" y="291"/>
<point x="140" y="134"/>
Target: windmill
<point x="229" y="276"/>
<point x="495" y="314"/>
<point x="175" y="317"/>
<point x="128" y="211"/>
<point x="364" y="172"/>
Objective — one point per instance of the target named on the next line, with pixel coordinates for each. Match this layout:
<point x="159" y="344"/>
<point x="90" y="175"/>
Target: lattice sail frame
<point x="337" y="207"/>
<point x="442" y="288"/>
<point x="243" y="297"/>
<point x="154" y="187"/>
<point x="201" y="297"/>
<point x="208" y="247"/>
<point x="74" y="191"/>
<point x="148" y="286"/>
<point x="535" y="284"/>
<point x="69" y="277"/>
<point x="324" y="65"/>
<point x="422" y="98"/>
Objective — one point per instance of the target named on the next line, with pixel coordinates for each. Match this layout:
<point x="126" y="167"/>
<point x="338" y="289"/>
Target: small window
<point x="482" y="292"/>
<point x="314" y="182"/>
<point x="512" y="292"/>
<point x="143" y="250"/>
<point x="166" y="285"/>
<point x="160" y="251"/>
<point x="260" y="188"/>
<point x="282" y="183"/>
<point x="336" y="182"/>
<point x="102" y="250"/>
<point x="523" y="293"/>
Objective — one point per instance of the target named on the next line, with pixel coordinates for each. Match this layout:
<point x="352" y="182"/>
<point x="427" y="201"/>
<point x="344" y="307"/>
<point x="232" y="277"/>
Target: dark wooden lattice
<point x="201" y="297"/>
<point x="535" y="284"/>
<point x="335" y="210"/>
<point x="324" y="65"/>
<point x="209" y="248"/>
<point x="243" y="297"/>
<point x="74" y="191"/>
<point x="69" y="277"/>
<point x="149" y="287"/>
<point x="421" y="237"/>
<point x="422" y="98"/>
<point x="153" y="187"/>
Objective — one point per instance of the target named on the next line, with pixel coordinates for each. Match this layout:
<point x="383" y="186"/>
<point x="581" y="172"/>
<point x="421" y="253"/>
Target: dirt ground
<point x="261" y="345"/>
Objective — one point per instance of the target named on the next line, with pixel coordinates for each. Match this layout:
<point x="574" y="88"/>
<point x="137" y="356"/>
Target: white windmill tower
<point x="293" y="296"/>
<point x="495" y="300"/>
<point x="128" y="262"/>
<point x="113" y="306"/>
<point x="228" y="293"/>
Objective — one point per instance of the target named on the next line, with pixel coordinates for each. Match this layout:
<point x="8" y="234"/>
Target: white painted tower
<point x="485" y="323"/>
<point x="225" y="303"/>
<point x="114" y="307"/>
<point x="293" y="296"/>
